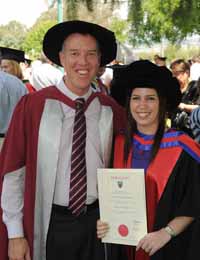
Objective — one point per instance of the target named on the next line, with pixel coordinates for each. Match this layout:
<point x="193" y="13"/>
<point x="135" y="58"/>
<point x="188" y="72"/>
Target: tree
<point x="34" y="38"/>
<point x="101" y="14"/>
<point x="152" y="20"/>
<point x="72" y="6"/>
<point x="159" y="19"/>
<point x="12" y="35"/>
<point x="120" y="27"/>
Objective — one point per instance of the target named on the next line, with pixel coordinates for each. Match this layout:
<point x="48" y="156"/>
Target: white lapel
<point x="106" y="133"/>
<point x="47" y="159"/>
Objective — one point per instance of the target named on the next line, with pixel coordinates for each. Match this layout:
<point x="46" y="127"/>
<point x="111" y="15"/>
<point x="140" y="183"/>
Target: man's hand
<point x="102" y="229"/>
<point x="18" y="249"/>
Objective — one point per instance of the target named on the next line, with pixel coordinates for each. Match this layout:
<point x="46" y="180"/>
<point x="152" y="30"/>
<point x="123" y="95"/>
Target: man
<point x="11" y="90"/>
<point x="45" y="218"/>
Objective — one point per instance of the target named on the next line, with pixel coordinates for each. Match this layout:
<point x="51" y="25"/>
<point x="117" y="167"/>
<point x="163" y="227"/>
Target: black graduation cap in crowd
<point x="117" y="88"/>
<point x="11" y="54"/>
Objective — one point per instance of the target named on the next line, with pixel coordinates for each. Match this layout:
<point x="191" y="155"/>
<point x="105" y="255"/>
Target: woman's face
<point x="144" y="107"/>
<point x="6" y="66"/>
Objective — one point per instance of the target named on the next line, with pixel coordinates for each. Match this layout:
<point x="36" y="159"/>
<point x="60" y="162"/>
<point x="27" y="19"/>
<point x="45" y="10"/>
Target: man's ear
<point x="61" y="56"/>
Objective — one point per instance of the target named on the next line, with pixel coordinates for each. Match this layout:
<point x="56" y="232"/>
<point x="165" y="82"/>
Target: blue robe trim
<point x="170" y="139"/>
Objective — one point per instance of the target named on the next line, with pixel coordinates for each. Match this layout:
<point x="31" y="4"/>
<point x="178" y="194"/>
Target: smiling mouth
<point x="143" y="114"/>
<point x="83" y="72"/>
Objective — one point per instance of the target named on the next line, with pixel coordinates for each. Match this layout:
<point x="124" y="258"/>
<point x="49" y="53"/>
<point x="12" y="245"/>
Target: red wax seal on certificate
<point x="123" y="230"/>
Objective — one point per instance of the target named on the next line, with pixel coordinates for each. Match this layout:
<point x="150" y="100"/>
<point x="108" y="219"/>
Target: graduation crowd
<point x="63" y="116"/>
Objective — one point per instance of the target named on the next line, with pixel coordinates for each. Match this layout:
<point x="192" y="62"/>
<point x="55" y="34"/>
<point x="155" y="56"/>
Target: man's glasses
<point x="178" y="72"/>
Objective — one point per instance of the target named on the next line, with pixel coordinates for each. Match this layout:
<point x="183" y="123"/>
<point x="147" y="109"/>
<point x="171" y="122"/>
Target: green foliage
<point x="154" y="20"/>
<point x="12" y="35"/>
<point x="120" y="27"/>
<point x="176" y="51"/>
<point x="149" y="21"/>
<point x="72" y="7"/>
<point x="51" y="14"/>
<point x="33" y="41"/>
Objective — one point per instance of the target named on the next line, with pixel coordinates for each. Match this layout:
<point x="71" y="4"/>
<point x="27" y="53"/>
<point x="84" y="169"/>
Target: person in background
<point x="10" y="59"/>
<point x="160" y="61"/>
<point x="171" y="161"/>
<point x="195" y="124"/>
<point x="11" y="91"/>
<point x="107" y="76"/>
<point x="190" y="95"/>
<point x="26" y="70"/>
<point x="97" y="83"/>
<point x="45" y="74"/>
<point x="61" y="134"/>
<point x="10" y="63"/>
<point x="195" y="68"/>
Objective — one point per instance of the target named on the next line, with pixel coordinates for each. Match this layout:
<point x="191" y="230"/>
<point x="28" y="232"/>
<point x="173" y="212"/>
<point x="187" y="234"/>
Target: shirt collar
<point x="67" y="92"/>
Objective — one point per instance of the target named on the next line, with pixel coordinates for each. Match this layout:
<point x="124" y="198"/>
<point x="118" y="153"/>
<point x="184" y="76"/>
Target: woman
<point x="171" y="161"/>
<point x="12" y="67"/>
<point x="190" y="96"/>
<point x="10" y="63"/>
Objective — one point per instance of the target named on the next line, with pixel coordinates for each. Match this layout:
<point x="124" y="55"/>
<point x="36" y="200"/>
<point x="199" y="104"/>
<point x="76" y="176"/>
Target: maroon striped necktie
<point x="78" y="178"/>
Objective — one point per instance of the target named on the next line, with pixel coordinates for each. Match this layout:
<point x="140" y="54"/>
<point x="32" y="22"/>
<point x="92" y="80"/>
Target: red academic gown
<point x="21" y="146"/>
<point x="172" y="189"/>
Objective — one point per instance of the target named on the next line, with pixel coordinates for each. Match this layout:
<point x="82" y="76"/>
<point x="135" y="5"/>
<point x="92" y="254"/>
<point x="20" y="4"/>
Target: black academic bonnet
<point x="145" y="74"/>
<point x="55" y="36"/>
<point x="11" y="54"/>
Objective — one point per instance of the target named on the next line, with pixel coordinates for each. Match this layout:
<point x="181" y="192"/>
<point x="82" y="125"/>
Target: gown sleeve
<point x="181" y="198"/>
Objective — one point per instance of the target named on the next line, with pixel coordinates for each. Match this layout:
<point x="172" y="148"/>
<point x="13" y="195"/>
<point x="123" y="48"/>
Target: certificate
<point x="122" y="203"/>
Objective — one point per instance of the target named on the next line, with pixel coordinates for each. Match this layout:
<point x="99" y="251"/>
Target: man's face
<point x="80" y="58"/>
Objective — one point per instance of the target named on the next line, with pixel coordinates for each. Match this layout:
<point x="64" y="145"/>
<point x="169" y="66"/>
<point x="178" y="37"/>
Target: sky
<point x="24" y="11"/>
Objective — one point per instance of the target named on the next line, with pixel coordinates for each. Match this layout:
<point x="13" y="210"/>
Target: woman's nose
<point x="142" y="102"/>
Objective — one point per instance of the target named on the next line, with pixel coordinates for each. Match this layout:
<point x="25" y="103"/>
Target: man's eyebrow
<point x="72" y="49"/>
<point x="148" y="95"/>
<point x="90" y="50"/>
